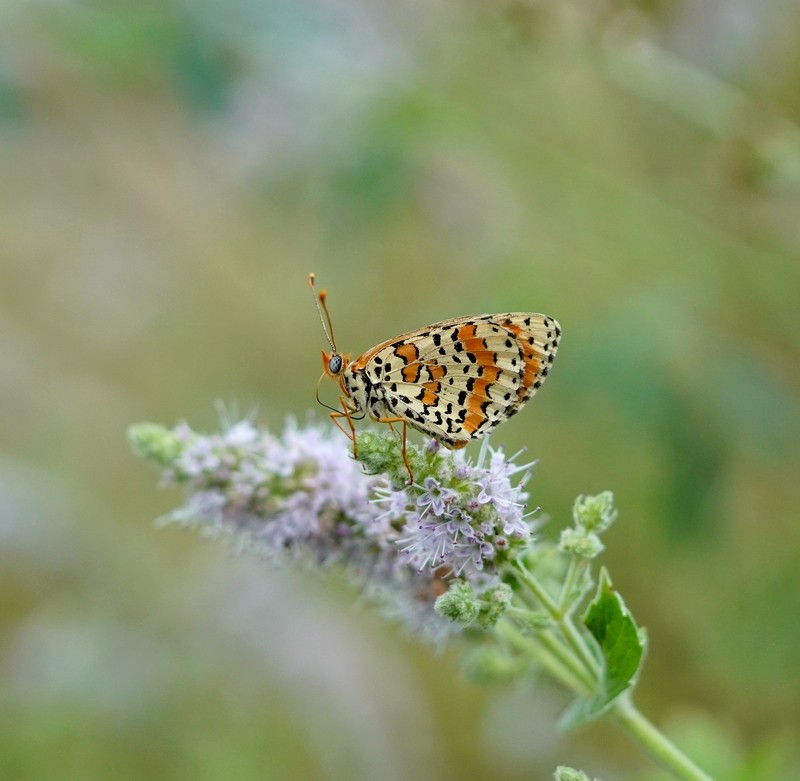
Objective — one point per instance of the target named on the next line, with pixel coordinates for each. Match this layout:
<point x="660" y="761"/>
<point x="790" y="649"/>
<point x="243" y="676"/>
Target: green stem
<point x="579" y="646"/>
<point x="550" y="653"/>
<point x="658" y="745"/>
<point x="548" y="603"/>
<point x="581" y="681"/>
<point x="564" y="622"/>
<point x="582" y="684"/>
<point x="576" y="568"/>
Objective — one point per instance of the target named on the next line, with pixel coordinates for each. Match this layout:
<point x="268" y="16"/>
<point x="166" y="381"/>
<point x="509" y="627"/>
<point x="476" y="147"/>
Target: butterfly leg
<point x="336" y="417"/>
<point x="405" y="429"/>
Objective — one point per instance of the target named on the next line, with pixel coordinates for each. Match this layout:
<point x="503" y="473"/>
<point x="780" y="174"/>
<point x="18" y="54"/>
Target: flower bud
<point x="459" y="603"/>
<point x="594" y="513"/>
<point x="581" y="543"/>
<point x="495" y="601"/>
<point x="569" y="774"/>
<point x="155" y="443"/>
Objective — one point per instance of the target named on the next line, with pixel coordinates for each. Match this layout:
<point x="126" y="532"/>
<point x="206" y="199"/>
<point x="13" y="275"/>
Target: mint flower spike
<point x="299" y="496"/>
<point x="453" y="554"/>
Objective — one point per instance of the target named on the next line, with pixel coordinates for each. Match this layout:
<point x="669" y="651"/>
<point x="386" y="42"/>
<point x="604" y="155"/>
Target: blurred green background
<point x="171" y="172"/>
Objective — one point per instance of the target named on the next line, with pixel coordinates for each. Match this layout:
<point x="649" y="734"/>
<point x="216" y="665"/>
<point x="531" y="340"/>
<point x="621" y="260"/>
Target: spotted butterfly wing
<point x="457" y="379"/>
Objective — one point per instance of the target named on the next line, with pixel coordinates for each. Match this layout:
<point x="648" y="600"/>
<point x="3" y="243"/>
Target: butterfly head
<point x="334" y="364"/>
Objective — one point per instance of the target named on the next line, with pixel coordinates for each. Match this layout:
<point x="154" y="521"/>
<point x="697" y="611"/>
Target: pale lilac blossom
<point x="301" y="497"/>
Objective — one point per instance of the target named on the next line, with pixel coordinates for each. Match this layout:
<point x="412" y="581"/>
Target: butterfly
<point x="454" y="380"/>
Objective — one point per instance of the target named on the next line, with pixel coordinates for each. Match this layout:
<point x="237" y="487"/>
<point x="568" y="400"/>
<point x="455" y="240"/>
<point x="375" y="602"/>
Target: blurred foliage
<point x="172" y="171"/>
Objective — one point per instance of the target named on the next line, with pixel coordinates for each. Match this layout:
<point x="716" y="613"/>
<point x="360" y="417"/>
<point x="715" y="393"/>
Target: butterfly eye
<point x="335" y="364"/>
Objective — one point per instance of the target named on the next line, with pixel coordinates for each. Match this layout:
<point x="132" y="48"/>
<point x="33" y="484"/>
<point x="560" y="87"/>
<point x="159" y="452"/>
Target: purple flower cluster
<point x="301" y="496"/>
<point x="465" y="519"/>
<point x="297" y="495"/>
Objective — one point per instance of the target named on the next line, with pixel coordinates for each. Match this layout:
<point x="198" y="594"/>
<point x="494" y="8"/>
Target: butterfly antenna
<point x="319" y="300"/>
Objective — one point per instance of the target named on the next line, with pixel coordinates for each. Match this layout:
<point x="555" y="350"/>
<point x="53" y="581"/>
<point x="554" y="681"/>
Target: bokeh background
<point x="171" y="171"/>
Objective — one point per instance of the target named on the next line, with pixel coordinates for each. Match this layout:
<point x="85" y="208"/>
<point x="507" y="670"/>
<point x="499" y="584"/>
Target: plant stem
<point x="579" y="680"/>
<point x="548" y="603"/>
<point x="583" y="682"/>
<point x="553" y="657"/>
<point x="564" y="622"/>
<point x="576" y="567"/>
<point x="658" y="745"/>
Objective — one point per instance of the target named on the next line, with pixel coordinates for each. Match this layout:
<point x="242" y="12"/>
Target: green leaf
<point x="620" y="647"/>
